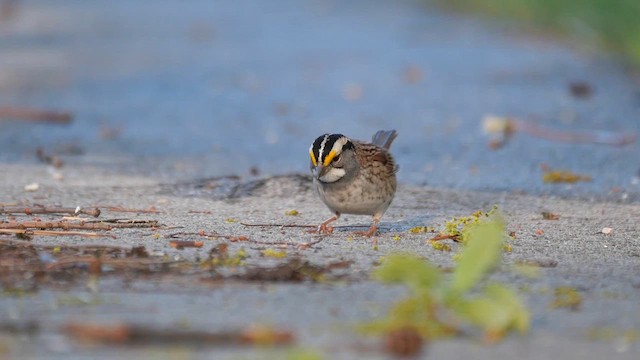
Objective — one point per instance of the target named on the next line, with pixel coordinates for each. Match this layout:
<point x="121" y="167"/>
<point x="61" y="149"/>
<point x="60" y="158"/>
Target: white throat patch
<point x="332" y="175"/>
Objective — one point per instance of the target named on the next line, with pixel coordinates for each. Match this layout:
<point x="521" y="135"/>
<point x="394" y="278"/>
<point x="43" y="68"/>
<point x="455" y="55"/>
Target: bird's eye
<point x="336" y="158"/>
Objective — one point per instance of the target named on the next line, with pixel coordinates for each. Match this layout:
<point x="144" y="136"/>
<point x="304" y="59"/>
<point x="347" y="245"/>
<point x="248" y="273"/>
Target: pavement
<point x="166" y="110"/>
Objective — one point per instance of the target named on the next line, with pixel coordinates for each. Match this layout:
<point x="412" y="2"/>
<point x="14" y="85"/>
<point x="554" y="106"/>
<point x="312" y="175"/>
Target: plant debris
<point x="566" y="297"/>
<point x="131" y="334"/>
<point x="438" y="308"/>
<point x="42" y="209"/>
<point x="436" y="245"/>
<point x="294" y="269"/>
<point x="563" y="176"/>
<point x="274" y="253"/>
<point x="607" y="230"/>
<point x="543" y="263"/>
<point x="36" y="115"/>
<point x="457" y="229"/>
<point x="546" y="215"/>
<point x="25" y="266"/>
<point x="181" y="244"/>
<point x="422" y="229"/>
<point x="149" y="210"/>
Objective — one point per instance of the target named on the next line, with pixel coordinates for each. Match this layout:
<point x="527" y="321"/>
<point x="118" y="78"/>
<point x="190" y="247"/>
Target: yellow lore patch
<point x="329" y="158"/>
<point x="313" y="158"/>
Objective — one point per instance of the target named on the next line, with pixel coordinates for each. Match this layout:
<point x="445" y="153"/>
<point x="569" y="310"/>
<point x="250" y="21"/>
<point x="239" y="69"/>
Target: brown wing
<point x="375" y="156"/>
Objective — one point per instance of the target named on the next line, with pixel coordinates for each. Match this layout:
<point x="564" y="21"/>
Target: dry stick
<point x="136" y="334"/>
<point x="151" y="209"/>
<point x="53" y="225"/>
<point x="76" y="225"/>
<point x="280" y="225"/>
<point x="126" y="223"/>
<point x="439" y="237"/>
<point x="54" y="233"/>
<point x="40" y="209"/>
<point x="30" y="114"/>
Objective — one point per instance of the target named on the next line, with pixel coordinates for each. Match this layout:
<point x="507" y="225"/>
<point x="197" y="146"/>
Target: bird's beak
<point x="321" y="170"/>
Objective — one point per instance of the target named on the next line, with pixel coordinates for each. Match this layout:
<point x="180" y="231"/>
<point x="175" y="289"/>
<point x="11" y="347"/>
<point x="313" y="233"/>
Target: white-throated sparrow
<point x="354" y="177"/>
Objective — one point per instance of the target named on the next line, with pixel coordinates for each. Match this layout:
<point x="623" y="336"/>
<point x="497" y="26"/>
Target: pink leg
<point x="372" y="230"/>
<point x="324" y="229"/>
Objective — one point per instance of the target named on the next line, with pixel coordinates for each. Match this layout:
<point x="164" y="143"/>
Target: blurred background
<point x="194" y="89"/>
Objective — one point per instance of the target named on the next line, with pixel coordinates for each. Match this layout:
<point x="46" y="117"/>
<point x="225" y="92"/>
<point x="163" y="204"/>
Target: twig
<point x="280" y="225"/>
<point x="231" y="238"/>
<point x="53" y="225"/>
<point x="136" y="334"/>
<point x="120" y="223"/>
<point x="89" y="225"/>
<point x="439" y="237"/>
<point x="37" y="115"/>
<point x="54" y="233"/>
<point x="41" y="209"/>
<point x="150" y="209"/>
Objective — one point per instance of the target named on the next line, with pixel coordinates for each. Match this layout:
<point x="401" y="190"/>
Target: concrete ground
<point x="571" y="251"/>
<point x="168" y="98"/>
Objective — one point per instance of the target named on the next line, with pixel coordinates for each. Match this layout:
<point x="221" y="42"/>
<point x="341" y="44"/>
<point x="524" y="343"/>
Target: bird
<point x="354" y="177"/>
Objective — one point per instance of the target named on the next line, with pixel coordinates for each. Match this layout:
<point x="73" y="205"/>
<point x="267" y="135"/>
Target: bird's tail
<point x="384" y="138"/>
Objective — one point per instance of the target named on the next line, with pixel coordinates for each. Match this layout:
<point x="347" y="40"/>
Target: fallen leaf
<point x="564" y="176"/>
<point x="181" y="244"/>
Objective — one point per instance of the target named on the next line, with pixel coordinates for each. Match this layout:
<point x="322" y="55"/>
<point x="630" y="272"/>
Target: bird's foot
<point x="373" y="230"/>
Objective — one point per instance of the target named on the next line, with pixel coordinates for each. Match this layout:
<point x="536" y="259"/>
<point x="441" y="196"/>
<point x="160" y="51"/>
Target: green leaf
<point x="482" y="252"/>
<point x="497" y="311"/>
<point x="409" y="270"/>
<point x="518" y="315"/>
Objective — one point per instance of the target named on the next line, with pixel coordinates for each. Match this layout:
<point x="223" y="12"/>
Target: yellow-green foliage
<point x="236" y="259"/>
<point x="566" y="297"/>
<point x="439" y="308"/>
<point x="611" y="24"/>
<point x="422" y="229"/>
<point x="440" y="246"/>
<point x="274" y="253"/>
<point x="459" y="227"/>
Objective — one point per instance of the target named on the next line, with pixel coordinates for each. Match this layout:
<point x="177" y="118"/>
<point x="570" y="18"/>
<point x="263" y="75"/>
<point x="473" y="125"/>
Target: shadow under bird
<point x="354" y="177"/>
